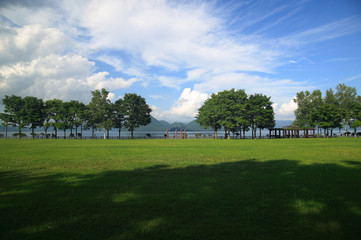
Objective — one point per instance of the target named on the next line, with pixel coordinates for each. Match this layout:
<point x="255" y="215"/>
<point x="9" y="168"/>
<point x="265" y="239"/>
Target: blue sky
<point x="176" y="53"/>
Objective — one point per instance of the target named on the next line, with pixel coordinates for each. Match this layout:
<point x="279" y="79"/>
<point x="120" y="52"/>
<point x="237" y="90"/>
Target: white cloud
<point x="173" y="36"/>
<point x="100" y="80"/>
<point x="66" y="77"/>
<point x="19" y="44"/>
<point x="286" y="110"/>
<point x="187" y="105"/>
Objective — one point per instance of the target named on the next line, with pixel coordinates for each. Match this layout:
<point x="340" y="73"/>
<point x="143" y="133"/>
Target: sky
<point x="175" y="54"/>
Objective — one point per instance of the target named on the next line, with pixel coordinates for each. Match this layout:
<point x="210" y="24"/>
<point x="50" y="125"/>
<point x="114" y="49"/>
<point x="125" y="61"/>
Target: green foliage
<point x="307" y="104"/>
<point x="131" y="112"/>
<point x="193" y="189"/>
<point x="136" y="112"/>
<point x="53" y="114"/>
<point x="328" y="112"/>
<point x="235" y="111"/>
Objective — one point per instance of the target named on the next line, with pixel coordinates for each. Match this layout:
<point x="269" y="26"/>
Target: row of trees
<point x="334" y="110"/>
<point x="131" y="112"/>
<point x="236" y="111"/>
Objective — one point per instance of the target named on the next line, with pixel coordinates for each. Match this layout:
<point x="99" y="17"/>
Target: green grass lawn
<point x="180" y="189"/>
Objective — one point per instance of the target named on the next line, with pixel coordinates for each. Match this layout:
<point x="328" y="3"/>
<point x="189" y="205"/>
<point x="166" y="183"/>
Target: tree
<point x="328" y="117"/>
<point x="307" y="104"/>
<point x="356" y="116"/>
<point x="118" y="115"/>
<point x="6" y="121"/>
<point x="14" y="107"/>
<point x="260" y="112"/>
<point x="100" y="109"/>
<point x="136" y="112"/>
<point x="52" y="109"/>
<point x="76" y="110"/>
<point x="208" y="115"/>
<point x="345" y="96"/>
<point x="64" y="117"/>
<point x="35" y="113"/>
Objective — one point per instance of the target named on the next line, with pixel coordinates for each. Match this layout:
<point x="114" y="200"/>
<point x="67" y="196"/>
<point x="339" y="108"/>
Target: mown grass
<point x="180" y="189"/>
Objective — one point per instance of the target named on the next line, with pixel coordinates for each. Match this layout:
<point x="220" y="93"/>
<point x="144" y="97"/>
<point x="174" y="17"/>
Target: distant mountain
<point x="161" y="125"/>
<point x="283" y="123"/>
<point x="155" y="125"/>
<point x="194" y="126"/>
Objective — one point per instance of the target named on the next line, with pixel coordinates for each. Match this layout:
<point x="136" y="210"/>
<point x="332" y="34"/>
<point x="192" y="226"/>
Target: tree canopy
<point x="331" y="111"/>
<point x="132" y="112"/>
<point x="235" y="111"/>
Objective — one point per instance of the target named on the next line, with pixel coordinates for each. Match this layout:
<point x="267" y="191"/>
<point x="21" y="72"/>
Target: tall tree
<point x="6" y="122"/>
<point x="52" y="109"/>
<point x="35" y="113"/>
<point x="14" y="107"/>
<point x="260" y="112"/>
<point x="99" y="108"/>
<point x="118" y="115"/>
<point x="208" y="115"/>
<point x="328" y="117"/>
<point x="356" y="115"/>
<point x="345" y="96"/>
<point x="307" y="103"/>
<point x="136" y="112"/>
<point x="76" y="110"/>
<point x="64" y="117"/>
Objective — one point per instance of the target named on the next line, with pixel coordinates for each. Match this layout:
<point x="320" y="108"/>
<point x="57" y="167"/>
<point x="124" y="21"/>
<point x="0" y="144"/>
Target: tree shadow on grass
<point x="239" y="200"/>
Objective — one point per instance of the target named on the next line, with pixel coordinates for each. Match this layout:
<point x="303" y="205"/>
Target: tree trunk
<point x="244" y="133"/>
<point x="93" y="133"/>
<point x="215" y="134"/>
<point x="6" y="131"/>
<point x="76" y="132"/>
<point x="346" y="129"/>
<point x="229" y="134"/>
<point x="32" y="132"/>
<point x="64" y="133"/>
<point x="131" y="134"/>
<point x="105" y="136"/>
<point x="119" y="133"/>
<point x="260" y="134"/>
<point x="19" y="128"/>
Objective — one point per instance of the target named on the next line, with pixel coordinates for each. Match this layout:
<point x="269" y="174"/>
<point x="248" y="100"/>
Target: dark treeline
<point x="334" y="110"/>
<point x="236" y="112"/>
<point x="131" y="112"/>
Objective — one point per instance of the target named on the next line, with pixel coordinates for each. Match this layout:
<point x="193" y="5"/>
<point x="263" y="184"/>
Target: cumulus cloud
<point x="32" y="62"/>
<point x="54" y="76"/>
<point x="18" y="44"/>
<point x="187" y="105"/>
<point x="286" y="110"/>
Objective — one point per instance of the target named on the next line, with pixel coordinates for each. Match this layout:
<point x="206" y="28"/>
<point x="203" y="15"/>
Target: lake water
<point x="160" y="134"/>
